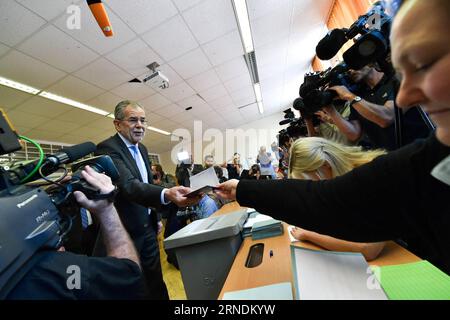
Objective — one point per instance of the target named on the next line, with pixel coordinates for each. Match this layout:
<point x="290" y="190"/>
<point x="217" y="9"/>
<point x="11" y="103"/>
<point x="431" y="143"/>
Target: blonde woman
<point x="320" y="159"/>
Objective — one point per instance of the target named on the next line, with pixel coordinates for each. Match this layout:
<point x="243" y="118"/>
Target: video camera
<point x="31" y="218"/>
<point x="314" y="92"/>
<point x="372" y="45"/>
<point x="296" y="128"/>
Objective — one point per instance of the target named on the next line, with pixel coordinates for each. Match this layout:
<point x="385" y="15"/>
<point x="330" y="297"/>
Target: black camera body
<point x="314" y="92"/>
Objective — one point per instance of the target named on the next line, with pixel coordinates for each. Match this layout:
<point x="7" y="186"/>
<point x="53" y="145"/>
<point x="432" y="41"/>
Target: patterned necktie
<point x="140" y="163"/>
<point x="84" y="218"/>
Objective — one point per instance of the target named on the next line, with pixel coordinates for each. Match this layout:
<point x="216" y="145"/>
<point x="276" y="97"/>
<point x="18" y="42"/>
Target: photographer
<point x="372" y="113"/>
<point x="117" y="276"/>
<point x="327" y="128"/>
<point x="403" y="194"/>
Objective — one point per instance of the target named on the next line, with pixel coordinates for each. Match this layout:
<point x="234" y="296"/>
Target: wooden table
<point x="277" y="268"/>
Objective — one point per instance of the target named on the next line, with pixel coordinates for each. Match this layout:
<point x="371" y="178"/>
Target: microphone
<point x="71" y="154"/>
<point x="330" y="45"/>
<point x="286" y="121"/>
<point x="99" y="12"/>
<point x="51" y="163"/>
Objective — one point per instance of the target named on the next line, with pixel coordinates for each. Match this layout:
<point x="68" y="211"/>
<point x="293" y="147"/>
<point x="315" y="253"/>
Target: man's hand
<point x="102" y="183"/>
<point x="343" y="93"/>
<point x="324" y="116"/>
<point x="227" y="190"/>
<point x="177" y="196"/>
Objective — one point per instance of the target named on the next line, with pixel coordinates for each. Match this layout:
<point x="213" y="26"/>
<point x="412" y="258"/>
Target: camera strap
<point x="110" y="197"/>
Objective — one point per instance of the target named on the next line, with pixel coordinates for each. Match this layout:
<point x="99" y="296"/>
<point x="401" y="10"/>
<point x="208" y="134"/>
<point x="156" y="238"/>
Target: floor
<point x="172" y="276"/>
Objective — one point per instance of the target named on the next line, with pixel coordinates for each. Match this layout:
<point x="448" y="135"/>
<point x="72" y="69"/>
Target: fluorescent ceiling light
<point x="111" y="115"/>
<point x="257" y="88"/>
<point x="73" y="103"/>
<point x="240" y="9"/>
<point x="260" y="107"/>
<point x="159" y="130"/>
<point x="18" y="86"/>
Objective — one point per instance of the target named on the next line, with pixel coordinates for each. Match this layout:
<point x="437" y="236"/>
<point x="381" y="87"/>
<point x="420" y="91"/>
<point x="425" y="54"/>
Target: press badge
<point x="442" y="171"/>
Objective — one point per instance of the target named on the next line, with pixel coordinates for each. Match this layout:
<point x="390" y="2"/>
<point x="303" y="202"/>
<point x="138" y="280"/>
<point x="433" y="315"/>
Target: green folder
<point x="414" y="281"/>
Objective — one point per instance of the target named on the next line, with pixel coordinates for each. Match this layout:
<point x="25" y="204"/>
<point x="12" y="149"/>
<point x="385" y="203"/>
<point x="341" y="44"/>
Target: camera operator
<point x="403" y="194"/>
<point x="117" y="276"/>
<point x="327" y="128"/>
<point x="373" y="113"/>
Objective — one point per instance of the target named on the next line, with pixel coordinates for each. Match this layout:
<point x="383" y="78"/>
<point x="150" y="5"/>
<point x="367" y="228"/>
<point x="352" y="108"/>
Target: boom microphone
<point x="330" y="45"/>
<point x="99" y="12"/>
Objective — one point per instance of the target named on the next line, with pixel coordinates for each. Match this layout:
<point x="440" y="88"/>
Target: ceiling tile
<point x="12" y="97"/>
<point x="76" y="89"/>
<point x="184" y="117"/>
<point x="106" y="101"/>
<point x="169" y="111"/>
<point x="178" y="92"/>
<point x="260" y="8"/>
<point x="43" y="107"/>
<point x="79" y="116"/>
<point x="192" y="101"/>
<point x="274" y="54"/>
<point x="224" y="111"/>
<point x="224" y="48"/>
<point x="232" y="69"/>
<point x="3" y="49"/>
<point x="204" y="80"/>
<point x="103" y="74"/>
<point x="191" y="64"/>
<point x="89" y="131"/>
<point x="185" y="4"/>
<point x="71" y="139"/>
<point x="210" y="19"/>
<point x="58" y="126"/>
<point x="133" y="91"/>
<point x="25" y="119"/>
<point x="22" y="68"/>
<point x="134" y="57"/>
<point x="48" y="9"/>
<point x="213" y="93"/>
<point x="154" y="102"/>
<point x="153" y="118"/>
<point x="142" y="15"/>
<point x="238" y="82"/>
<point x="171" y="39"/>
<point x="303" y="17"/>
<point x="272" y="26"/>
<point x="18" y="24"/>
<point x="91" y="35"/>
<point x="243" y="96"/>
<point x="106" y="124"/>
<point x="221" y="102"/>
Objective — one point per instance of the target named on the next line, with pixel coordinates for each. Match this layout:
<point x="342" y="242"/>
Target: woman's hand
<point x="227" y="190"/>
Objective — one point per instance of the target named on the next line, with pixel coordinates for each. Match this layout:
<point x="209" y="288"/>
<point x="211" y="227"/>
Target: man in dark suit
<point x="137" y="193"/>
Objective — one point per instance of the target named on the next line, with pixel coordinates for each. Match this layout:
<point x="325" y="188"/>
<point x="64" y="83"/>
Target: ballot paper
<point x="256" y="217"/>
<point x="328" y="275"/>
<point x="291" y="237"/>
<point x="278" y="291"/>
<point x="204" y="181"/>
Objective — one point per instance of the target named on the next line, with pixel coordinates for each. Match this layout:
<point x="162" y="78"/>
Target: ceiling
<point x="196" y="43"/>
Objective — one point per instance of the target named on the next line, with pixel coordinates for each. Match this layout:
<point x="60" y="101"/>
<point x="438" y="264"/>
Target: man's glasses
<point x="134" y="121"/>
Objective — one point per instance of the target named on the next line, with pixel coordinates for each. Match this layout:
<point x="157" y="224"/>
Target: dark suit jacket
<point x="134" y="196"/>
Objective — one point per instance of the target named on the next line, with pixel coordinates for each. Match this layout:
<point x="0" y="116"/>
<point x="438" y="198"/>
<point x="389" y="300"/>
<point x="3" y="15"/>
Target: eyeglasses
<point x="134" y="121"/>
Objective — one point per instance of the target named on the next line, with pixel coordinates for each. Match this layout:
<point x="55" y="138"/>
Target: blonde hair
<point x="309" y="154"/>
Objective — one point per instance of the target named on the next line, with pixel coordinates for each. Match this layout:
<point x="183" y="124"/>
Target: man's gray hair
<point x="119" y="113"/>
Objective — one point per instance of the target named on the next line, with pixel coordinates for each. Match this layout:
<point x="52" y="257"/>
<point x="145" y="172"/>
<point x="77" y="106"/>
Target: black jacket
<point x="134" y="196"/>
<point x="393" y="197"/>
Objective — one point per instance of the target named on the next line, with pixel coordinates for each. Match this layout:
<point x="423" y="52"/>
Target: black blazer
<point x="134" y="196"/>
